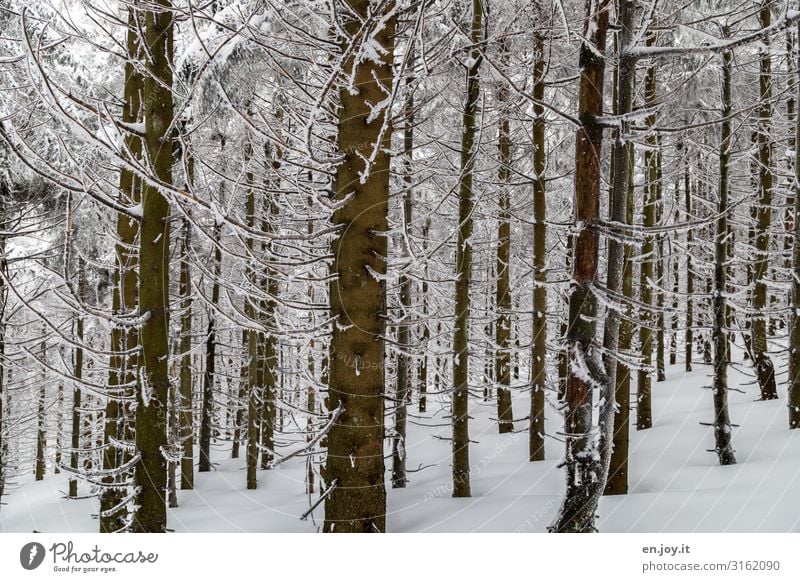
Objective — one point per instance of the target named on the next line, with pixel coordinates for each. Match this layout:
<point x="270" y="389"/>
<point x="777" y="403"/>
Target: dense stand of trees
<point x="285" y="231"/>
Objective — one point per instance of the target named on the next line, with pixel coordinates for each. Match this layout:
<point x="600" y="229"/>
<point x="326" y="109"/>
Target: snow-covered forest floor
<point x="676" y="484"/>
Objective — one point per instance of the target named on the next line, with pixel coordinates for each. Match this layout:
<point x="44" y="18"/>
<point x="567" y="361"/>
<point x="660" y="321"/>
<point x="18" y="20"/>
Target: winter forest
<point x="399" y="265"/>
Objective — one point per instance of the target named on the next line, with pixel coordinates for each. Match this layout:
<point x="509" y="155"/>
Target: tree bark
<point x="644" y="413"/>
<point x="505" y="414"/>
<point x="210" y="375"/>
<point x="586" y="473"/>
<point x="354" y="467"/>
<point x="794" y="338"/>
<point x="536" y="432"/>
<point x="151" y="429"/>
<point x="722" y="423"/>
<point x="404" y="359"/>
<point x="460" y="403"/>
<point x="124" y="340"/>
<point x="765" y="370"/>
<point x="617" y="332"/>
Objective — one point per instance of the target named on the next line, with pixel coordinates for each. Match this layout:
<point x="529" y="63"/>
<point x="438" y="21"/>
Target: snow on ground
<point x="676" y="485"/>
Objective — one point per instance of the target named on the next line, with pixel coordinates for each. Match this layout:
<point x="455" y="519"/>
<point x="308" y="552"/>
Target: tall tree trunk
<point x="617" y="333"/>
<point x="505" y="414"/>
<point x="3" y="299"/>
<point x="124" y="340"/>
<point x="268" y="361"/>
<point x="250" y="338"/>
<point x="426" y="326"/>
<point x="41" y="427"/>
<point x="763" y="364"/>
<point x="644" y="413"/>
<point x="794" y="338"/>
<point x="404" y="359"/>
<point x="210" y="375"/>
<point x="659" y="267"/>
<point x="586" y="473"/>
<point x="539" y="331"/>
<point x="78" y="374"/>
<point x="460" y="403"/>
<point x="151" y="421"/>
<point x="354" y="469"/>
<point x="722" y="423"/>
<point x="687" y="198"/>
<point x="186" y="417"/>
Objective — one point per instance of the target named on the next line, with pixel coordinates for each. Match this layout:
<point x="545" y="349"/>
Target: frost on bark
<point x="3" y="298"/>
<point x="644" y="412"/>
<point x="765" y="370"/>
<point x="539" y="332"/>
<point x="210" y="374"/>
<point x="460" y="395"/>
<point x="794" y="338"/>
<point x="404" y="359"/>
<point x="354" y="469"/>
<point x="153" y="374"/>
<point x="78" y="375"/>
<point x="505" y="414"/>
<point x="41" y="427"/>
<point x="186" y="416"/>
<point x="617" y="332"/>
<point x="722" y="423"/>
<point x="124" y="340"/>
<point x="586" y="467"/>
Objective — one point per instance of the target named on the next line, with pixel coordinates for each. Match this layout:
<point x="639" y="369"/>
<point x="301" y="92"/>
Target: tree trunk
<point x="505" y="415"/>
<point x="210" y="375"/>
<point x="722" y="423"/>
<point x="460" y="403"/>
<point x="354" y="470"/>
<point x="41" y="430"/>
<point x="763" y="364"/>
<point x="426" y="327"/>
<point x="617" y="333"/>
<point x="186" y="398"/>
<point x="644" y="413"/>
<point x="78" y="374"/>
<point x="687" y="193"/>
<point x="151" y="433"/>
<point x="586" y="473"/>
<point x="404" y="359"/>
<point x="124" y="340"/>
<point x="539" y="331"/>
<point x="794" y="338"/>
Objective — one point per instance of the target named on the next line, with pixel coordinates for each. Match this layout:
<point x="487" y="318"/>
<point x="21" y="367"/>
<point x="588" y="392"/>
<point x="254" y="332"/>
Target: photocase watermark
<point x="66" y="558"/>
<point x="534" y="521"/>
